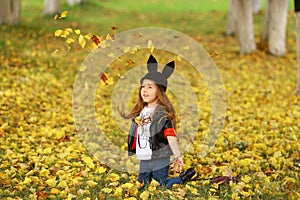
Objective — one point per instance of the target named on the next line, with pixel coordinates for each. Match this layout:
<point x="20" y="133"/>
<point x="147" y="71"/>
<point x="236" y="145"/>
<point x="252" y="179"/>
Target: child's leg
<point x="161" y="176"/>
<point x="145" y="172"/>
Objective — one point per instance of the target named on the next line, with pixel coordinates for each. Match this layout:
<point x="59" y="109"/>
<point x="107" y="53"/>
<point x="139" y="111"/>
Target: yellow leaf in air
<point x="77" y="31"/>
<point x="70" y="40"/>
<point x="64" y="14"/>
<point x="110" y="81"/>
<point x="92" y="46"/>
<point x="88" y="36"/>
<point x="111" y="55"/>
<point x="126" y="49"/>
<point x="82" y="41"/>
<point x="58" y="32"/>
<point x="70" y="30"/>
<point x="187" y="47"/>
<point x="150" y="46"/>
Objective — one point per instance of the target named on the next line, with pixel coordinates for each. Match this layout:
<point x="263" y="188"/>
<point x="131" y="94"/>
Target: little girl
<point x="152" y="135"/>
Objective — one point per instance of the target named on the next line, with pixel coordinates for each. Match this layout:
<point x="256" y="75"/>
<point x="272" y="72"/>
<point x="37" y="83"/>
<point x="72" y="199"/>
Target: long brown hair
<point x="163" y="100"/>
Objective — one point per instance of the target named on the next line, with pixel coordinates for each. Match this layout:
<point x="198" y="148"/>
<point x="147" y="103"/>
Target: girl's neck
<point x="151" y="105"/>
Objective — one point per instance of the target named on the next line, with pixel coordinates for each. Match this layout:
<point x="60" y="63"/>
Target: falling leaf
<point x="77" y="31"/>
<point x="103" y="77"/>
<point x="58" y="32"/>
<point x="213" y="53"/>
<point x="96" y="39"/>
<point x="126" y="49"/>
<point x="64" y="14"/>
<point x="187" y="47"/>
<point x="111" y="55"/>
<point x="82" y="41"/>
<point x="70" y="40"/>
<point x="150" y="46"/>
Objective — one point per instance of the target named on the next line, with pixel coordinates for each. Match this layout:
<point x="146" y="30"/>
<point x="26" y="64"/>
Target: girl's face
<point x="149" y="92"/>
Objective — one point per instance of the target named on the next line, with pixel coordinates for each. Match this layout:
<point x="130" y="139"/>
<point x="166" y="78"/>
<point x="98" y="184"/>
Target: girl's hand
<point x="177" y="164"/>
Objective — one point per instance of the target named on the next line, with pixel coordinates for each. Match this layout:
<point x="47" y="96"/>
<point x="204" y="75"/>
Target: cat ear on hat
<point x="152" y="64"/>
<point x="168" y="69"/>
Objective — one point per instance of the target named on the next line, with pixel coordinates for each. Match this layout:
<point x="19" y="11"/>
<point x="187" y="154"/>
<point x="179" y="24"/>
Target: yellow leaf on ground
<point x="91" y="183"/>
<point x="144" y="195"/>
<point x="54" y="191"/>
<point x="51" y="182"/>
<point x="101" y="170"/>
<point x="107" y="190"/>
<point x="27" y="180"/>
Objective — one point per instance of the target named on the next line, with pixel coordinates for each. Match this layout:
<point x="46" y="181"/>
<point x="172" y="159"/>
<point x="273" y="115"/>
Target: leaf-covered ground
<point x="42" y="157"/>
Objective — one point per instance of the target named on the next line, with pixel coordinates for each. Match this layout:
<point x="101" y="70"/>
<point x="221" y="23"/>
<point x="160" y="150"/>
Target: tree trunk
<point x="275" y="26"/>
<point x="231" y="18"/>
<point x="51" y="7"/>
<point x="245" y="26"/>
<point x="10" y="12"/>
<point x="267" y="22"/>
<point x="74" y="2"/>
<point x="298" y="50"/>
<point x="256" y="6"/>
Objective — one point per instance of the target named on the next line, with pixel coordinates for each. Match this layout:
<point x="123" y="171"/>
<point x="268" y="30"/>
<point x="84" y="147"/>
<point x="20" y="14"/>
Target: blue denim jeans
<point x="157" y="169"/>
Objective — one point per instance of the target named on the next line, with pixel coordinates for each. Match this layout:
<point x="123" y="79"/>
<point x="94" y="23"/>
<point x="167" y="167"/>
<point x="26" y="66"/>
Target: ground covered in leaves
<point x="42" y="156"/>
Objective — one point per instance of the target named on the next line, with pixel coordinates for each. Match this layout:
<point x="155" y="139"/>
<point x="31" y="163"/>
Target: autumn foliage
<point x="42" y="157"/>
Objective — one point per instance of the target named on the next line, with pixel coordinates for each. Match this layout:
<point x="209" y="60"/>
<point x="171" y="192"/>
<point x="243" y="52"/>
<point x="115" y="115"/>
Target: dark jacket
<point x="159" y="143"/>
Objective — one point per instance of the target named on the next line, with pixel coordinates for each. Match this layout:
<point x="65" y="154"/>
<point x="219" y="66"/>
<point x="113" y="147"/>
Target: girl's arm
<point x="178" y="162"/>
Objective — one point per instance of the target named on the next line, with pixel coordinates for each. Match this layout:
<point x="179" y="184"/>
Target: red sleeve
<point x="169" y="132"/>
<point x="133" y="147"/>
